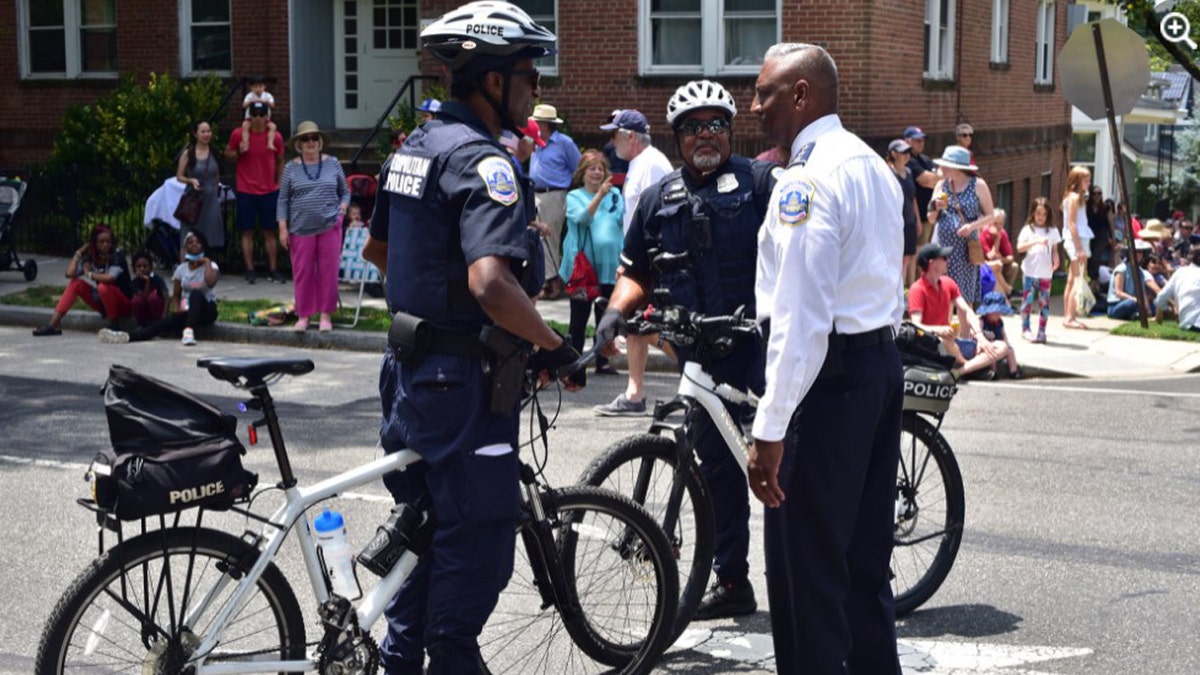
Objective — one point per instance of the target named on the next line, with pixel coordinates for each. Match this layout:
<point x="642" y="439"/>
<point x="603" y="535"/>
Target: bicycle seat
<point x="246" y="371"/>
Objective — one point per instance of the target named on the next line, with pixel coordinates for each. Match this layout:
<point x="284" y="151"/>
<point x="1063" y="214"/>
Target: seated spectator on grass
<point x="99" y="277"/>
<point x="930" y="301"/>
<point x="1122" y="300"/>
<point x="150" y="292"/>
<point x="1182" y="293"/>
<point x="992" y="311"/>
<point x="194" y="301"/>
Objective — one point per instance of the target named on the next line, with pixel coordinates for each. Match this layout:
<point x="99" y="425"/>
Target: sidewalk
<point x="1069" y="353"/>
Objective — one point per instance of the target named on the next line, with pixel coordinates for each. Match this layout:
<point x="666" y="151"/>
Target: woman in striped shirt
<point x="312" y="202"/>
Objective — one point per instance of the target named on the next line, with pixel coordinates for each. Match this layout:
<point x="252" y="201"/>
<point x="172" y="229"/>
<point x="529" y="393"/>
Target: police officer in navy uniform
<point x="453" y="215"/>
<point x="827" y="430"/>
<point x="711" y="209"/>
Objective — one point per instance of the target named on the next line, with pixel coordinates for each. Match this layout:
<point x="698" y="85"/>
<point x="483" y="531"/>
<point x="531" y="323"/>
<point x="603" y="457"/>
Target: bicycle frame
<point x="297" y="501"/>
<point x="697" y="386"/>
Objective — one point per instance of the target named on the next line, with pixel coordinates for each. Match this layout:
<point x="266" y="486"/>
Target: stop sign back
<point x="1128" y="68"/>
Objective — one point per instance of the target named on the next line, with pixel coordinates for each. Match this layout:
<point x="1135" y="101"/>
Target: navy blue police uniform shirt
<point x="448" y="197"/>
<point x="734" y="200"/>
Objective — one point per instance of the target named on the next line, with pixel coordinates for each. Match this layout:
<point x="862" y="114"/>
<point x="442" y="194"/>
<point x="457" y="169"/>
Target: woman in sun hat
<point x="961" y="206"/>
<point x="313" y="197"/>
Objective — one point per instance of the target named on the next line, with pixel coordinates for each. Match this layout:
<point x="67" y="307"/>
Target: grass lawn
<point x="1167" y="330"/>
<point x="228" y="311"/>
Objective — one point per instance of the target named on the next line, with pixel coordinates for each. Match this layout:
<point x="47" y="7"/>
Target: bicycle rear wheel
<point x="929" y="514"/>
<point x="612" y="608"/>
<point x="693" y="536"/>
<point x="145" y="605"/>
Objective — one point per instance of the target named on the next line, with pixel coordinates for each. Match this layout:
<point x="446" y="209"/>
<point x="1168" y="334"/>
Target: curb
<point x="345" y="340"/>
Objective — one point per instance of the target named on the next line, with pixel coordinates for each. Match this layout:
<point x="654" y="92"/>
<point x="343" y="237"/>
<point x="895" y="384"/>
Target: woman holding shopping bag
<point x="313" y="198"/>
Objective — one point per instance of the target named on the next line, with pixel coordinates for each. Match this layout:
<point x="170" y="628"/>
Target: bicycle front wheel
<point x="643" y="467"/>
<point x="605" y="605"/>
<point x="146" y="604"/>
<point x="929" y="514"/>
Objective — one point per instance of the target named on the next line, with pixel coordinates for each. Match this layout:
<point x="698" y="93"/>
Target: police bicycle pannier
<point x="928" y="382"/>
<point x="170" y="451"/>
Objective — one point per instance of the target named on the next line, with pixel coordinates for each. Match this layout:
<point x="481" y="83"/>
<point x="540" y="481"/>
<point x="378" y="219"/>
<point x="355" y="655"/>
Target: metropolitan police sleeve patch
<point x="497" y="174"/>
<point x="795" y="202"/>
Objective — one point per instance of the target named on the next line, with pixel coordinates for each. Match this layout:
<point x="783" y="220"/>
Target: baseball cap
<point x="931" y="251"/>
<point x="899" y="145"/>
<point x="630" y="120"/>
<point x="533" y="131"/>
<point x="913" y="132"/>
<point x="258" y="108"/>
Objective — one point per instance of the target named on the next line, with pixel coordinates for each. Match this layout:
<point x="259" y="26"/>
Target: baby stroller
<point x="11" y="192"/>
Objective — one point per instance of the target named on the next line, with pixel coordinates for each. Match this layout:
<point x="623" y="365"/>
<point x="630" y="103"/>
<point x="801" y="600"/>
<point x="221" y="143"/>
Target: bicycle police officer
<point x="709" y="209"/>
<point x="827" y="431"/>
<point x="462" y="262"/>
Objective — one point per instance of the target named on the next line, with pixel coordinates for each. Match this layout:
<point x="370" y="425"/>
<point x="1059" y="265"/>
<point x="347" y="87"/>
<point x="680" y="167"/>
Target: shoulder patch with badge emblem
<point x="795" y="202"/>
<point x="497" y="174"/>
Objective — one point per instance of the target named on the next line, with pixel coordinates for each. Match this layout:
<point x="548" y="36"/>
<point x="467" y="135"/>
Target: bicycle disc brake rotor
<point x="906" y="511"/>
<point x="166" y="657"/>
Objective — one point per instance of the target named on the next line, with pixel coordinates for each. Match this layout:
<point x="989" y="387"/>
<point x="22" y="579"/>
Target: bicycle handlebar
<point x="687" y="328"/>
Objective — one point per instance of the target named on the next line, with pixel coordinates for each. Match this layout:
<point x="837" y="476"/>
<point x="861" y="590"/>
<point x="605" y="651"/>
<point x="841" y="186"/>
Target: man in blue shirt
<point x="450" y="229"/>
<point x="551" y="169"/>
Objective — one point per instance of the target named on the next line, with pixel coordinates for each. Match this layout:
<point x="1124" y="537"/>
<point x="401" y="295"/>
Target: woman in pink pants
<point x="99" y="277"/>
<point x="312" y="202"/>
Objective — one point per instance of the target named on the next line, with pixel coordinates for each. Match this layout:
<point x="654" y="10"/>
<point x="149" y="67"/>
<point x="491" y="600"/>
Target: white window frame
<point x="547" y="66"/>
<point x="1044" y="58"/>
<point x="712" y="32"/>
<point x="1151" y="133"/>
<point x="939" y="55"/>
<point x="185" y="41"/>
<point x="72" y="47"/>
<point x="1000" y="14"/>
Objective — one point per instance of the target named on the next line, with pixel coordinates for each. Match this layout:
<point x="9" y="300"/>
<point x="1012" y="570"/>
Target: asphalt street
<point x="1081" y="552"/>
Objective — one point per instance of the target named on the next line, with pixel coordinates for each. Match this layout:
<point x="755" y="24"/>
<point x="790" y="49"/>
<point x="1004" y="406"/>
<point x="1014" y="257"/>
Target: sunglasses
<point x="716" y="127"/>
<point x="309" y="138"/>
<point x="532" y="74"/>
<point x="966" y="135"/>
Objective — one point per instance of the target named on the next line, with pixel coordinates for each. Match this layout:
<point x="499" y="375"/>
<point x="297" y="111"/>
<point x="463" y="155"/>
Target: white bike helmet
<point x="699" y="94"/>
<point x="486" y="29"/>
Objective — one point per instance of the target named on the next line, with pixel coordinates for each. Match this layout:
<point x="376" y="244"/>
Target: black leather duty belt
<point x="858" y="341"/>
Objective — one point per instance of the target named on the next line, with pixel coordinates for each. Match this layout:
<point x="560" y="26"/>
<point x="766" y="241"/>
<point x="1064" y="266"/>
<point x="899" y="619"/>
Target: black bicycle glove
<point x="611" y="324"/>
<point x="550" y="360"/>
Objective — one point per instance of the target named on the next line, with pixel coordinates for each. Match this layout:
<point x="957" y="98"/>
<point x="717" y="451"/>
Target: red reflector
<point x="253" y="433"/>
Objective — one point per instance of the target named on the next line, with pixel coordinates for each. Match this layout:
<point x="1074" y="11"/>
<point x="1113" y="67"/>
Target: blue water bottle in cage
<point x="335" y="550"/>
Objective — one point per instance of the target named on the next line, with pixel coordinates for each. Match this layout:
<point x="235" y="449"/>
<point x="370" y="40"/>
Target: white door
<point x="376" y="42"/>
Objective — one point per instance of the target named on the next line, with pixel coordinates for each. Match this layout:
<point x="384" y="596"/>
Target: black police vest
<point x="427" y="270"/>
<point x="718" y="224"/>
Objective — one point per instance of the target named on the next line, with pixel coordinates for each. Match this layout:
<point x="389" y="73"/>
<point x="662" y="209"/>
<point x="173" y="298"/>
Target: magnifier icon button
<point x="1176" y="27"/>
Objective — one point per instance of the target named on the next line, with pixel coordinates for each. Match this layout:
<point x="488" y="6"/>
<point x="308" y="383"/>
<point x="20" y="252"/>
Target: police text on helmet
<point x="485" y="29"/>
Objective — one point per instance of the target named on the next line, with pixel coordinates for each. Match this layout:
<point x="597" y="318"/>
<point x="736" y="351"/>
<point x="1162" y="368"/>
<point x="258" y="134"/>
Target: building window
<point x="999" y="31"/>
<point x="1083" y="150"/>
<point x="1044" y="73"/>
<point x="1046" y="185"/>
<point x="939" y="39"/>
<point x="677" y="36"/>
<point x="545" y="13"/>
<point x="1003" y="199"/>
<point x="68" y="38"/>
<point x="205" y="36"/>
<point x="1151" y="135"/>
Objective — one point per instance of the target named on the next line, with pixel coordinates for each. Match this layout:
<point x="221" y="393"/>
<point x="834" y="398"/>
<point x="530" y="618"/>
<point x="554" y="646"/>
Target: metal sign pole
<point x="1132" y="267"/>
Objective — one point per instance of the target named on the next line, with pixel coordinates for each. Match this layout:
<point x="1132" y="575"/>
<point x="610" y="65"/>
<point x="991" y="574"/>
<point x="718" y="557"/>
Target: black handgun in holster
<point x="409" y="337"/>
<point x="506" y="367"/>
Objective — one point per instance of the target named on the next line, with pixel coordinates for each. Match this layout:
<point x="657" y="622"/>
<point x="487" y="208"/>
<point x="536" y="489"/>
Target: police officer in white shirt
<point x="827" y="431"/>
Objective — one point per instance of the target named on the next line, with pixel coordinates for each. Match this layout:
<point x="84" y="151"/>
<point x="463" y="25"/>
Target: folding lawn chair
<point x="353" y="269"/>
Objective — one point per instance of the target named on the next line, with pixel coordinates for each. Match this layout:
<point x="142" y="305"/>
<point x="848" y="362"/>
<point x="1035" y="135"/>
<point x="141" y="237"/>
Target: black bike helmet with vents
<point x="485" y="33"/>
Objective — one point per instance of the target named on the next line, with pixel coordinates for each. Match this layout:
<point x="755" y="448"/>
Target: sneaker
<point x="622" y="407"/>
<point x="1040" y="339"/>
<point x="250" y="277"/>
<point x="1027" y="334"/>
<point x="113" y="337"/>
<point x="278" y="277"/>
<point x="1017" y="374"/>
<point x="46" y="330"/>
<point x="726" y="599"/>
<point x="189" y="338"/>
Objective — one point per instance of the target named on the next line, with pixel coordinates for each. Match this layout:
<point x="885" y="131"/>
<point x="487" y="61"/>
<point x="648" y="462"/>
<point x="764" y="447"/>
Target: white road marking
<point x="1086" y="390"/>
<point x="928" y="657"/>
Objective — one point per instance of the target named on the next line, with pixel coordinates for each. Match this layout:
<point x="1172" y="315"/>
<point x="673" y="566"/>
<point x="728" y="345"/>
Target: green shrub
<point x="116" y="151"/>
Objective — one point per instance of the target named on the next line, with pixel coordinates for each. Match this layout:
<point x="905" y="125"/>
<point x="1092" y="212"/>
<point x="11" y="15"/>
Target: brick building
<point x="932" y="63"/>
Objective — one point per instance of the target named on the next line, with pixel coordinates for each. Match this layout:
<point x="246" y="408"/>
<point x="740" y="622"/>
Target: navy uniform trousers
<point x="828" y="546"/>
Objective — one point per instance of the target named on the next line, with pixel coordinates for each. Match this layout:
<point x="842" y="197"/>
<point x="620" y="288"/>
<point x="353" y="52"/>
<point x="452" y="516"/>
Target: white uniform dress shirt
<point x="829" y="256"/>
<point x="644" y="170"/>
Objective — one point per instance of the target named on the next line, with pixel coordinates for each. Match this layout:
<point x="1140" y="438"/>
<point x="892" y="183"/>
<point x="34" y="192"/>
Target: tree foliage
<point x="116" y="151"/>
<point x="1144" y="20"/>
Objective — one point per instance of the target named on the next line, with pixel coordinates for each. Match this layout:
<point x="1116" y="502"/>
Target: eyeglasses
<point x="532" y="74"/>
<point x="716" y="127"/>
<point x="966" y="135"/>
<point x="310" y="138"/>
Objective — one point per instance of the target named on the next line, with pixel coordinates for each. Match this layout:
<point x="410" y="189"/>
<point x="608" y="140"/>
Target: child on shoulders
<point x="258" y="94"/>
